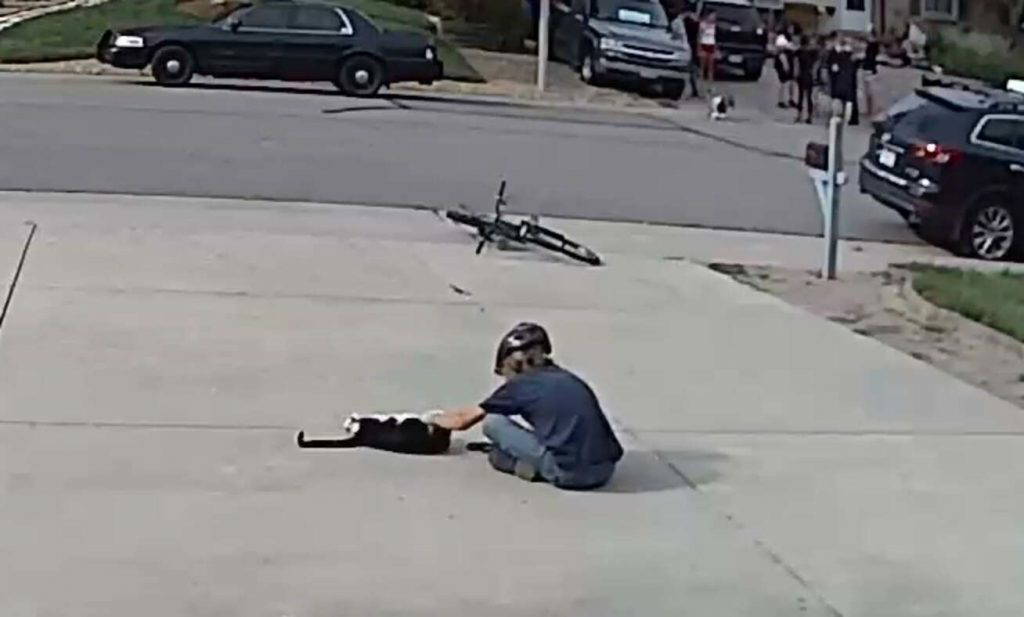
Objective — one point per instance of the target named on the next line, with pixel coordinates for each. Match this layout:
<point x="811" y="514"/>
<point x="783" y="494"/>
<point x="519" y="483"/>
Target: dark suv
<point x="620" y="39"/>
<point x="740" y="37"/>
<point x="950" y="159"/>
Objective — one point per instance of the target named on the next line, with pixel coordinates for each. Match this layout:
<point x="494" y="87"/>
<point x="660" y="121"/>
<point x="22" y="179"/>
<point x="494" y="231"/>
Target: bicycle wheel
<point x="557" y="242"/>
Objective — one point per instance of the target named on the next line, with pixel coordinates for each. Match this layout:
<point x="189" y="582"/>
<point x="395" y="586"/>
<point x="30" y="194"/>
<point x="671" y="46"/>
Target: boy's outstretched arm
<point x="459" y="419"/>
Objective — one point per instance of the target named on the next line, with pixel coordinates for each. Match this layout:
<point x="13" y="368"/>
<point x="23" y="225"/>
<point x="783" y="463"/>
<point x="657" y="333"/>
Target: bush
<point x="505" y="22"/>
<point x="419" y="5"/>
<point x="993" y="66"/>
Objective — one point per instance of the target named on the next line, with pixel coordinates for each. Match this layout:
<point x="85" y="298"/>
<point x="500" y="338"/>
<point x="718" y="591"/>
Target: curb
<point x="63" y="67"/>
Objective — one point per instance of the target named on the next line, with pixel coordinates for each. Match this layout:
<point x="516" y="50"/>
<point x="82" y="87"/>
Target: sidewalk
<point x="160" y="353"/>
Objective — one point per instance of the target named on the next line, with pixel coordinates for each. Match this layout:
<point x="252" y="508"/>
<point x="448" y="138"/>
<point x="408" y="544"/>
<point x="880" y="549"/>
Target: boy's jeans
<point x="514" y="443"/>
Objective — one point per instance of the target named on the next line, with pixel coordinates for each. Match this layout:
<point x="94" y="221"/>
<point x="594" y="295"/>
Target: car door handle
<point x="1016" y="168"/>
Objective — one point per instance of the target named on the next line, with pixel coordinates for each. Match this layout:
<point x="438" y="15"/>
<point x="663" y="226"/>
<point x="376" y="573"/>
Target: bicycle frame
<point x="527" y="231"/>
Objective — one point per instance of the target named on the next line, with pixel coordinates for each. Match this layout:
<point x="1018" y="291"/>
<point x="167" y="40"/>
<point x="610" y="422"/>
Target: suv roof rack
<point x="947" y="102"/>
<point x="1008" y="105"/>
<point x="994" y="98"/>
<point x="930" y="81"/>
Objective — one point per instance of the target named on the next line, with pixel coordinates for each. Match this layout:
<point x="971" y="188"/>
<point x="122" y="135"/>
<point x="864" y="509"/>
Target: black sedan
<point x="294" y="41"/>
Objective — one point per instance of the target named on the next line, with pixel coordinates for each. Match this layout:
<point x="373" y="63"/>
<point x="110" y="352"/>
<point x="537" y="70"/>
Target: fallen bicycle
<point x="527" y="231"/>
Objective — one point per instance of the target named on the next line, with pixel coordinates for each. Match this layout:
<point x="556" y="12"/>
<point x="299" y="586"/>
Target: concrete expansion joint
<point x="761" y="546"/>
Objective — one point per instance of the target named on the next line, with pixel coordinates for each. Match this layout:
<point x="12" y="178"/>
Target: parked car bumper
<point x="741" y="59"/>
<point x="909" y="199"/>
<point x="615" y="67"/>
<point x="419" y="70"/>
<point x="124" y="58"/>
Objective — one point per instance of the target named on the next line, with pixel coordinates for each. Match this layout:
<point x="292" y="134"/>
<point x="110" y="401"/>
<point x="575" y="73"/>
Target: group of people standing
<point x="806" y="64"/>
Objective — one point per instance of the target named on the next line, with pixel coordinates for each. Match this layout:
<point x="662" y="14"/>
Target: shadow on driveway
<point x="644" y="471"/>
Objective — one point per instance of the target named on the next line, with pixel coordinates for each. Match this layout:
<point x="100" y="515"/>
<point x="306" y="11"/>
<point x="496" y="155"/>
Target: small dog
<point x="404" y="433"/>
<point x="719" y="105"/>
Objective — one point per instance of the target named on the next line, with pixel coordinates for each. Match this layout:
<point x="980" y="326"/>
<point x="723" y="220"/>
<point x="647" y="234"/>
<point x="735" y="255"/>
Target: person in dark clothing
<point x="869" y="71"/>
<point x="568" y="441"/>
<point x="806" y="65"/>
<point x="784" y="67"/>
<point x="843" y="71"/>
<point x="686" y="25"/>
<point x="691" y="26"/>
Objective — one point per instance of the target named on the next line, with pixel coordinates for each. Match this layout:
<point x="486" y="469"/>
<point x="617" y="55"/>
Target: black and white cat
<point x="406" y="433"/>
<point x="719" y="105"/>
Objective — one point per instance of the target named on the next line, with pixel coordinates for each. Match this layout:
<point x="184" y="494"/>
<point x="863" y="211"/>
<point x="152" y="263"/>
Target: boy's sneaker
<point x="480" y="446"/>
<point x="525" y="471"/>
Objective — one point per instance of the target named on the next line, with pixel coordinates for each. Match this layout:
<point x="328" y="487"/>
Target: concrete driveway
<point x="160" y="353"/>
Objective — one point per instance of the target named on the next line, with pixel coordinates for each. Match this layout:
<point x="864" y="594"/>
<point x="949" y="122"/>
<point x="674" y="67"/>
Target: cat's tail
<point x="329" y="442"/>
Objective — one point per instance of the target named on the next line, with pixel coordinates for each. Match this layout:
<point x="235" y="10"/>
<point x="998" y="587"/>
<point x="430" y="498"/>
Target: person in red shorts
<point x="708" y="45"/>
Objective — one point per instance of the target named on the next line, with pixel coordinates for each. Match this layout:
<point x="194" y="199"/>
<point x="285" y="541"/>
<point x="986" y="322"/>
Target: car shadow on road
<point x="412" y="97"/>
<point x="647" y="471"/>
<point x="395" y="98"/>
<point x="249" y="87"/>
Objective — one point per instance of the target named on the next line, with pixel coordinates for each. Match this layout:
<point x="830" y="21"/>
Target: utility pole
<point x="542" y="43"/>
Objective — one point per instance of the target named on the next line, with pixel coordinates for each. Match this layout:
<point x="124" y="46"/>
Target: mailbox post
<point x="825" y="166"/>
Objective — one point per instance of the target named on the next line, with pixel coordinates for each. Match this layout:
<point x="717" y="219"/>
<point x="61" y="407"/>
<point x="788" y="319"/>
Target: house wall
<point x="894" y="15"/>
<point x="830" y="15"/>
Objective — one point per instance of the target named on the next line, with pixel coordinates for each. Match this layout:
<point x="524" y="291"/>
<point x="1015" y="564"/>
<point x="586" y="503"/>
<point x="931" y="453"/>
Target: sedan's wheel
<point x="173" y="66"/>
<point x="360" y="76"/>
<point x="989" y="231"/>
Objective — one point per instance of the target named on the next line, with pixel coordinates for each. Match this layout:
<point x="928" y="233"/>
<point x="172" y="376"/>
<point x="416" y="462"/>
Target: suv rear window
<point x="904" y="106"/>
<point x="916" y="118"/>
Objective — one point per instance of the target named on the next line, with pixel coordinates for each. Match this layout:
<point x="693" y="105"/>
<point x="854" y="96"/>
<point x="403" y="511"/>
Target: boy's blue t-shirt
<point x="564" y="413"/>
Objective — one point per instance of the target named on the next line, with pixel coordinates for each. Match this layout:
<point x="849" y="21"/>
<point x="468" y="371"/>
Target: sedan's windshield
<point x="631" y="12"/>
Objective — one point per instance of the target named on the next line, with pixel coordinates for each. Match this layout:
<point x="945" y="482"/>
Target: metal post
<point x="542" y="43"/>
<point x="832" y="194"/>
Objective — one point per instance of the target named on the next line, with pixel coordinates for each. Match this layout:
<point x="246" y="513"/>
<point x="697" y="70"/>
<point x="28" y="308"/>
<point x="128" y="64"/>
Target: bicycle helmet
<point x="523" y="336"/>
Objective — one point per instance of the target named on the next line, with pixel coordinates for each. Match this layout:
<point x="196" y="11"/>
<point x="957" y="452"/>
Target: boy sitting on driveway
<point x="570" y="442"/>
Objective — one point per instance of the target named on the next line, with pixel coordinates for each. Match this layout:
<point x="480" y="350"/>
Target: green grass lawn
<point x="995" y="299"/>
<point x="73" y="34"/>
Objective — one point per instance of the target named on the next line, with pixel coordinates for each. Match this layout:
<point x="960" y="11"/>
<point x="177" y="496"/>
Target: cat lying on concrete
<point x="406" y="433"/>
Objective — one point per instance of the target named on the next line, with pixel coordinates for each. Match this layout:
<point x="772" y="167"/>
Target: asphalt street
<point x="118" y="135"/>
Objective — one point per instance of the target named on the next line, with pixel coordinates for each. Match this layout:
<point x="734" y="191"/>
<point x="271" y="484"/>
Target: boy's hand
<point x="458" y="419"/>
<point x="430" y="416"/>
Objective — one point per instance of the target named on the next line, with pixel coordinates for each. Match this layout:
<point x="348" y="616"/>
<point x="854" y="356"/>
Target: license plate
<point x="887" y="158"/>
<point x="734" y="59"/>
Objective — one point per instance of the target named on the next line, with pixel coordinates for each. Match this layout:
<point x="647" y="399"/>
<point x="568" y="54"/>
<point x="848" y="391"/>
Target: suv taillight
<point x="936" y="153"/>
